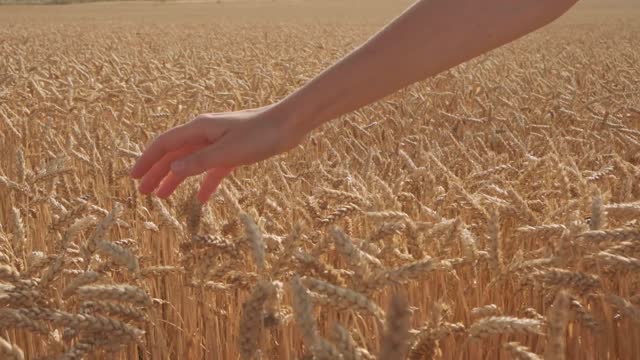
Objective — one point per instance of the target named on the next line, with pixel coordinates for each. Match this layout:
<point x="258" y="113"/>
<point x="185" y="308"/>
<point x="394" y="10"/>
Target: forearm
<point x="430" y="37"/>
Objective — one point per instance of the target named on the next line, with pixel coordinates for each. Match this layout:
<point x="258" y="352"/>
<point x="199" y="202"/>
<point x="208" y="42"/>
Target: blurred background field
<point x="596" y="11"/>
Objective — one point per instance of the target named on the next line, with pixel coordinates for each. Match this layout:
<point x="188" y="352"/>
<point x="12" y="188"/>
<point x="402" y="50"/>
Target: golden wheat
<point x="501" y="198"/>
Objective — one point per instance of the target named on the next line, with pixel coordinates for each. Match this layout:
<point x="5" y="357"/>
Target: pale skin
<point x="430" y="37"/>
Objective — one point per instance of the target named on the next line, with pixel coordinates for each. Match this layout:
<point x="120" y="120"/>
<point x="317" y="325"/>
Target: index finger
<point x="167" y="142"/>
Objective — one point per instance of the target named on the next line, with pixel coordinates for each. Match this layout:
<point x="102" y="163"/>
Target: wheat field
<point x="491" y="212"/>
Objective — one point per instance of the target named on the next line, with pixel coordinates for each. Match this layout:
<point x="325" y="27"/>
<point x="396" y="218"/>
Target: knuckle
<point x="160" y="140"/>
<point x="201" y="119"/>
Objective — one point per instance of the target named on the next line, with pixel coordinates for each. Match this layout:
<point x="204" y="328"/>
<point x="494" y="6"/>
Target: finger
<point x="211" y="182"/>
<point x="169" y="185"/>
<point x="167" y="142"/>
<point x="228" y="152"/>
<point x="160" y="169"/>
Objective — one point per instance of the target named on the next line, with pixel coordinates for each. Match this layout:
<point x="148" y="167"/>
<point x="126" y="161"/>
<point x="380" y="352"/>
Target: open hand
<point x="214" y="143"/>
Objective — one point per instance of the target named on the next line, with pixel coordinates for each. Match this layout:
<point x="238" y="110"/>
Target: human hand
<point x="214" y="143"/>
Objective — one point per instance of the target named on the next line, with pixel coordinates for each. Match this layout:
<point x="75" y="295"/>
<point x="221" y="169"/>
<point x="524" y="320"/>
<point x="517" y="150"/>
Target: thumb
<point x="229" y="152"/>
<point x="197" y="162"/>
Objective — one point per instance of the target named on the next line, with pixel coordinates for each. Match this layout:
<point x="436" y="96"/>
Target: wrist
<point x="297" y="117"/>
<point x="284" y="117"/>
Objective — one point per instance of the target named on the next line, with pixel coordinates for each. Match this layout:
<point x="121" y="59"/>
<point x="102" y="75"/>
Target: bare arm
<point x="430" y="37"/>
